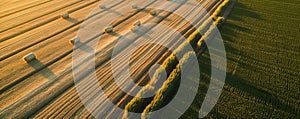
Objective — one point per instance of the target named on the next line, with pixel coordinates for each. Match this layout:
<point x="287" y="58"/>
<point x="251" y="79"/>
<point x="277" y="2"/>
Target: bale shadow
<point x="72" y="20"/>
<point x="45" y="71"/>
<point x="113" y="11"/>
<point x="84" y="47"/>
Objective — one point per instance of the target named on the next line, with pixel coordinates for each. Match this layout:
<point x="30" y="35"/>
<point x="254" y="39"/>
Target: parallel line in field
<point x="100" y="63"/>
<point x="43" y="22"/>
<point x="49" y="36"/>
<point x="13" y="11"/>
<point x="63" y="74"/>
<point x="126" y="97"/>
<point x="31" y="19"/>
<point x="65" y="53"/>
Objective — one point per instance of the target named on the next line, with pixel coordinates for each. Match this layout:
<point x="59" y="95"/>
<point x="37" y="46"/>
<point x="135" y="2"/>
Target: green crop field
<point x="263" y="62"/>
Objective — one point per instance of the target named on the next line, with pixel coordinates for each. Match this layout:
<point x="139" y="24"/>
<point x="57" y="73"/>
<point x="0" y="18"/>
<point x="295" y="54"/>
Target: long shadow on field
<point x="72" y="20"/>
<point x="241" y="85"/>
<point x="122" y="38"/>
<point x="113" y="11"/>
<point x="193" y="110"/>
<point x="47" y="73"/>
<point x="241" y="12"/>
<point x="231" y="28"/>
<point x="85" y="47"/>
<point x="260" y="94"/>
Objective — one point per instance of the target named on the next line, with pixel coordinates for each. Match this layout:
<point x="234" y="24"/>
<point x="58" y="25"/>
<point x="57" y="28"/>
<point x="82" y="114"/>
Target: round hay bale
<point x="153" y="12"/>
<point x="29" y="57"/>
<point x="74" y="40"/>
<point x="102" y="6"/>
<point x="109" y="29"/>
<point x="134" y="28"/>
<point x="137" y="23"/>
<point x="65" y="15"/>
<point x="135" y="6"/>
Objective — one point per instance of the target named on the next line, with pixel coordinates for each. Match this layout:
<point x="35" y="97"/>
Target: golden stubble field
<point x="44" y="87"/>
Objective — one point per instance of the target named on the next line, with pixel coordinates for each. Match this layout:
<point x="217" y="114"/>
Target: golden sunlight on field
<point x="39" y="38"/>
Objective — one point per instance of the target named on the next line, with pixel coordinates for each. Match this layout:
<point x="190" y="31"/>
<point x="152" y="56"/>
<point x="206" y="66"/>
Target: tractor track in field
<point x="24" y="18"/>
<point x="105" y="78"/>
<point x="18" y="7"/>
<point x="21" y="29"/>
